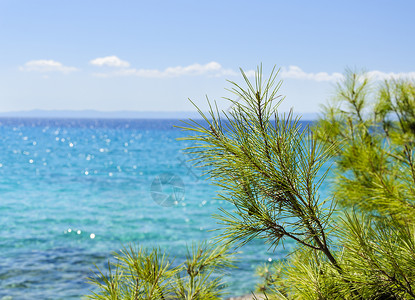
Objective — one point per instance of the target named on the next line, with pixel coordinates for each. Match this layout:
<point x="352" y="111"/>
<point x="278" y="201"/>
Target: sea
<point x="73" y="191"/>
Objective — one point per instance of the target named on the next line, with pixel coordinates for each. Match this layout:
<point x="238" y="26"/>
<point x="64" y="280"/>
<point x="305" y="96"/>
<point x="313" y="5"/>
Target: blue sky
<point x="154" y="55"/>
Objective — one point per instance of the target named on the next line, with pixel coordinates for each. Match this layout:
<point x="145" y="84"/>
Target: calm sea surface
<point x="73" y="191"/>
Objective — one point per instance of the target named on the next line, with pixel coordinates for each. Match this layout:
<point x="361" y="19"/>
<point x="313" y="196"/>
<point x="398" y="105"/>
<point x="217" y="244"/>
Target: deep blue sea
<point x="73" y="191"/>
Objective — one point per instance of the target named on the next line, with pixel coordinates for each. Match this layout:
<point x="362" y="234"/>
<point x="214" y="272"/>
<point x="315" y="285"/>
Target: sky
<point x="156" y="55"/>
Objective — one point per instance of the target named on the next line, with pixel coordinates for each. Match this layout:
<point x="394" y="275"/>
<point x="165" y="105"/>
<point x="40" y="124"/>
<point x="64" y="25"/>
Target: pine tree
<point x="141" y="273"/>
<point x="269" y="167"/>
<point x="375" y="164"/>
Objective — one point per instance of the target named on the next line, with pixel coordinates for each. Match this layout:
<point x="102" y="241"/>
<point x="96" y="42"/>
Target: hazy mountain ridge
<point x="95" y="114"/>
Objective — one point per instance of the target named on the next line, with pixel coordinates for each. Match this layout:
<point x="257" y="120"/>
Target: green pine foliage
<point x="269" y="167"/>
<point x="373" y="128"/>
<point x="140" y="273"/>
<point x="375" y="164"/>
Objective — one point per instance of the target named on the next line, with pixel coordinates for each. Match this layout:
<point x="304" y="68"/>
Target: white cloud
<point x="378" y="75"/>
<point x="110" y="61"/>
<point x="250" y="73"/>
<point x="211" y="69"/>
<point x="294" y="72"/>
<point x="214" y="69"/>
<point x="44" y="65"/>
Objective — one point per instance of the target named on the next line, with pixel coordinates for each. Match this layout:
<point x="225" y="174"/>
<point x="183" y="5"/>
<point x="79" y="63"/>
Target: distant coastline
<point x="95" y="114"/>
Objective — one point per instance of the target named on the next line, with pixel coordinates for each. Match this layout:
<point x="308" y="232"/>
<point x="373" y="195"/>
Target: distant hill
<point x="95" y="114"/>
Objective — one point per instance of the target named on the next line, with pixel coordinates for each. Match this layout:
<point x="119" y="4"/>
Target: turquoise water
<point x="73" y="191"/>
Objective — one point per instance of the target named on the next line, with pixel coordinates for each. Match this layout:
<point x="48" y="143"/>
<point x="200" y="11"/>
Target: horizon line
<point x="119" y="114"/>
